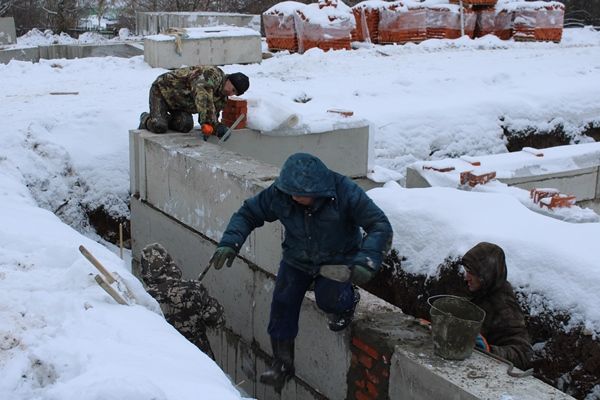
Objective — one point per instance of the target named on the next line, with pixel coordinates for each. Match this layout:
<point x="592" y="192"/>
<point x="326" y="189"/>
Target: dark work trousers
<point x="290" y="286"/>
<point x="162" y="117"/>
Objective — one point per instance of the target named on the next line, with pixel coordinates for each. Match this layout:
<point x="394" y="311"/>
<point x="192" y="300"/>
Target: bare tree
<point x="5" y="5"/>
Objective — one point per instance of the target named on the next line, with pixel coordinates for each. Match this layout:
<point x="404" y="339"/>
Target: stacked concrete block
<point x="8" y="33"/>
<point x="206" y="46"/>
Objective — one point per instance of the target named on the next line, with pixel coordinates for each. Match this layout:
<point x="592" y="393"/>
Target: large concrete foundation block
<point x="343" y="150"/>
<point x="206" y="46"/>
<point x="23" y="54"/>
<point x="152" y="23"/>
<point x="73" y="51"/>
<point x="202" y="185"/>
<point x="8" y="33"/>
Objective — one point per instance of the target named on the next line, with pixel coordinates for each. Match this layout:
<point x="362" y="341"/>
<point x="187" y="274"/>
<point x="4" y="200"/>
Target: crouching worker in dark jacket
<point x="185" y="303"/>
<point x="322" y="213"/>
<point x="504" y="324"/>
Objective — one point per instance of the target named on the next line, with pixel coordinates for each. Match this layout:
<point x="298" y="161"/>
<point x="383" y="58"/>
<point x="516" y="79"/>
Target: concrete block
<point x="72" y="51"/>
<point x="189" y="250"/>
<point x="202" y="185"/>
<point x="8" y="33"/>
<point x="31" y="54"/>
<point x="581" y="182"/>
<point x="318" y="350"/>
<point x="414" y="179"/>
<point x="206" y="46"/>
<point x="152" y="23"/>
<point x="263" y="294"/>
<point x="422" y="375"/>
<point x="335" y="148"/>
<point x="245" y="373"/>
<point x="598" y="183"/>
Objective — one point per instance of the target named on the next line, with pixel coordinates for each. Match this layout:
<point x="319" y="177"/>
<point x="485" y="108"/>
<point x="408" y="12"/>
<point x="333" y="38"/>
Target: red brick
<point x="365" y="360"/>
<point x="372" y="390"/>
<point x="365" y="347"/>
<point x="372" y="377"/>
<point x="360" y="384"/>
<point x="362" y="396"/>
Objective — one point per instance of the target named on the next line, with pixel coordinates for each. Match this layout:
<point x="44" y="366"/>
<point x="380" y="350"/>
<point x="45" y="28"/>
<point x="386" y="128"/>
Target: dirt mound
<point x="569" y="361"/>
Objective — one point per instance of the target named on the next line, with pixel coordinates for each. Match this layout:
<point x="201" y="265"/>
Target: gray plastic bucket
<point x="455" y="323"/>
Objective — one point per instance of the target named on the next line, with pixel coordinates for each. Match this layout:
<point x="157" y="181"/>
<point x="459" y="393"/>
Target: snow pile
<point x="554" y="263"/>
<point x="35" y="37"/>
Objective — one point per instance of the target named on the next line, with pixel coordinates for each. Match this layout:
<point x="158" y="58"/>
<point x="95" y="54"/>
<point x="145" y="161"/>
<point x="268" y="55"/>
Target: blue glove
<point x="222" y="254"/>
<point x="361" y="275"/>
<point x="481" y="343"/>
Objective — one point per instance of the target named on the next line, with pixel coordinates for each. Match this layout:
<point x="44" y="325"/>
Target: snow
<point x="220" y="31"/>
<point x="69" y="153"/>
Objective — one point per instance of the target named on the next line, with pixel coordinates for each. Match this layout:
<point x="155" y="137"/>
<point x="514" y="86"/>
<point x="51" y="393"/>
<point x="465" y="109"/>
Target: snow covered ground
<point x="62" y="337"/>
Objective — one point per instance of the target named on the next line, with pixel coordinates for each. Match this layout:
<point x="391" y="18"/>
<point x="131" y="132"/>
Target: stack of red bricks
<point x="279" y="26"/>
<point x="443" y="22"/>
<point x="539" y="22"/>
<point x="327" y="25"/>
<point x="472" y="178"/>
<point x="403" y="23"/>
<point x="551" y="198"/>
<point x="369" y="371"/>
<point x="366" y="15"/>
<point x="233" y="109"/>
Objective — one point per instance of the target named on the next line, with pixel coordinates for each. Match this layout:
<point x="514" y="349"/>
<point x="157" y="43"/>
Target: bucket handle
<point x="510" y="368"/>
<point x="432" y="298"/>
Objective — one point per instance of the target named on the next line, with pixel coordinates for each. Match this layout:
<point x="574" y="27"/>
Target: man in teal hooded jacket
<point x="323" y="213"/>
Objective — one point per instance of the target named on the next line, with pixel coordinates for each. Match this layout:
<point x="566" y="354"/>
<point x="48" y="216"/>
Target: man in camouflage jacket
<point x="186" y="304"/>
<point x="177" y="94"/>
<point x="504" y="324"/>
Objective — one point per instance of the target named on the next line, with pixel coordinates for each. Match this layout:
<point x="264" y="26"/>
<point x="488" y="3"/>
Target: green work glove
<point x="222" y="254"/>
<point x="361" y="275"/>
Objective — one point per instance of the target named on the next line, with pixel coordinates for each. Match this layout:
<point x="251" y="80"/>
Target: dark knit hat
<point x="239" y="81"/>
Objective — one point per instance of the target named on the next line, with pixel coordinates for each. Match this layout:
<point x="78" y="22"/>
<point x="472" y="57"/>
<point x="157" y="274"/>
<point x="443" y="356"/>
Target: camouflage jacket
<point x="504" y="323"/>
<point x="194" y="90"/>
<point x="186" y="304"/>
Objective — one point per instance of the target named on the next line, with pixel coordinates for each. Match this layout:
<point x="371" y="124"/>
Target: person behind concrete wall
<point x="503" y="331"/>
<point x="176" y="95"/>
<point x="322" y="213"/>
<point x="186" y="304"/>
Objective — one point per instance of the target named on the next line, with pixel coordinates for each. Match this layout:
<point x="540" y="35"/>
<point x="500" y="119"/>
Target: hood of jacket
<point x="303" y="174"/>
<point x="487" y="262"/>
<point x="157" y="265"/>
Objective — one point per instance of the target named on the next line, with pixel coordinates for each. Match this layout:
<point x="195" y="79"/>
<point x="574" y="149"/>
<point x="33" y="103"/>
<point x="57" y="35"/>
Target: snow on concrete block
<point x="534" y="151"/>
<point x="219" y="45"/>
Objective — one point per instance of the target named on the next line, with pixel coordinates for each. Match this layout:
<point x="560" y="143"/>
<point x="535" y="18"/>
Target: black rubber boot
<point x="338" y="322"/>
<point x="143" y="119"/>
<point x="282" y="368"/>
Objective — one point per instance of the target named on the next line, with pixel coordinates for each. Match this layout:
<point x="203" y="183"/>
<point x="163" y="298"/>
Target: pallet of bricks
<point x="366" y="15"/>
<point x="279" y="26"/>
<point x="444" y="21"/>
<point x="537" y="21"/>
<point x="402" y="22"/>
<point x="327" y="25"/>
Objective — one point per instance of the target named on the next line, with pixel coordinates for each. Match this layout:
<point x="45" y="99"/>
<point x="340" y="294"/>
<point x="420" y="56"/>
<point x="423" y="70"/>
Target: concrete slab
<point x="31" y="54"/>
<point x="152" y="23"/>
<point x="206" y="46"/>
<point x="335" y="147"/>
<point x="8" y="33"/>
<point x="201" y="185"/>
<point x="72" y="51"/>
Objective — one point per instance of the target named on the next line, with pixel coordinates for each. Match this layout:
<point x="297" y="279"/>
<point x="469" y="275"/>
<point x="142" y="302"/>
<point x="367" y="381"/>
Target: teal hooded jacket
<point x="327" y="232"/>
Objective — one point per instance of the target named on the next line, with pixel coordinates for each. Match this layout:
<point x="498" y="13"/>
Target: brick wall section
<point x="372" y="344"/>
<point x="233" y="108"/>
